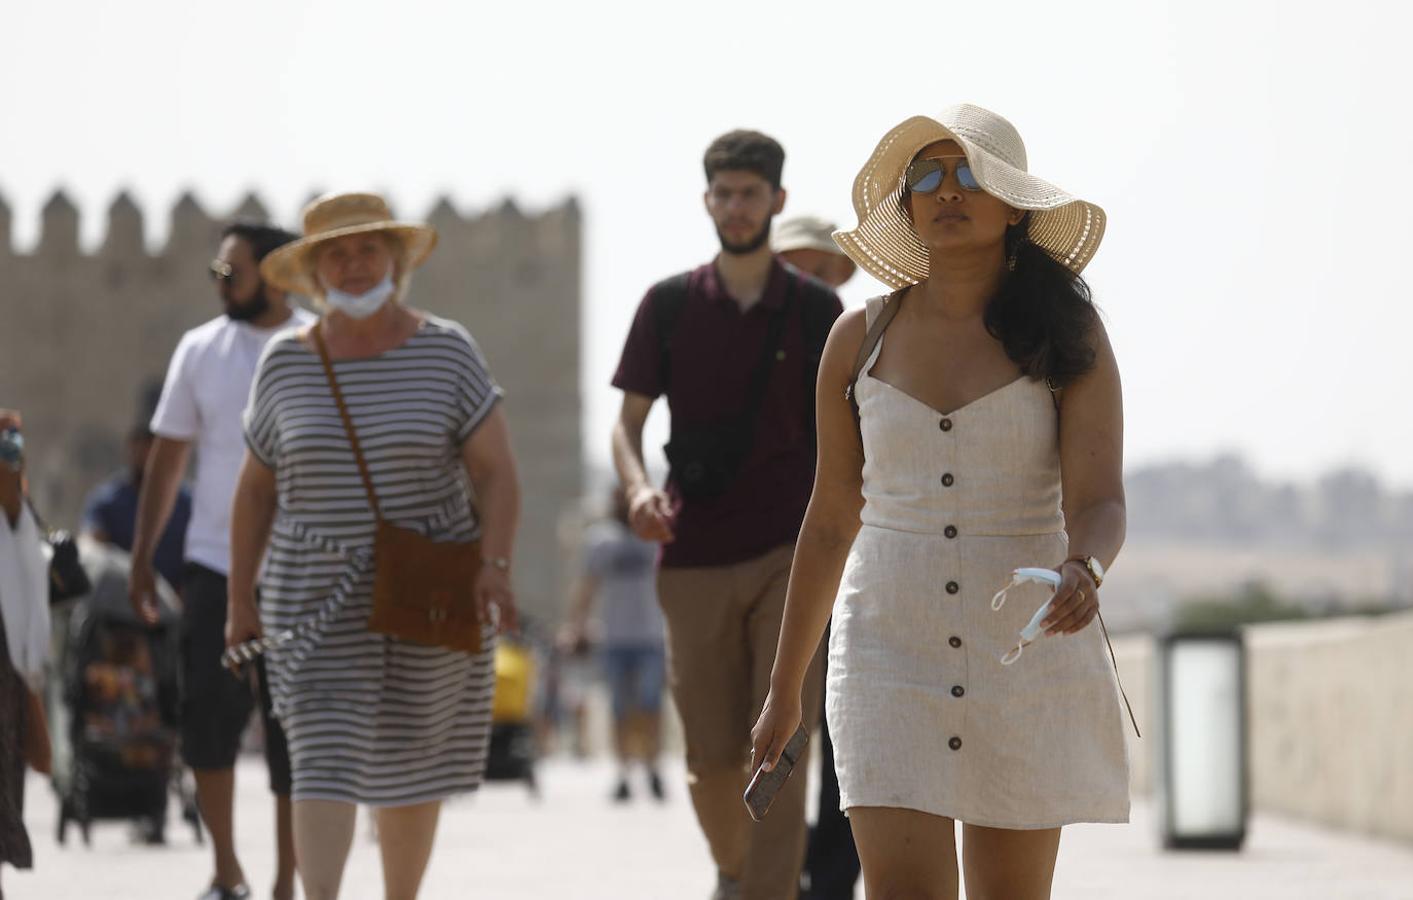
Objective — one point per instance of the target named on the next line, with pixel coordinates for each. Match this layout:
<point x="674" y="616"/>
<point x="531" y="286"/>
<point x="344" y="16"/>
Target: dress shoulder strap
<point x="878" y="314"/>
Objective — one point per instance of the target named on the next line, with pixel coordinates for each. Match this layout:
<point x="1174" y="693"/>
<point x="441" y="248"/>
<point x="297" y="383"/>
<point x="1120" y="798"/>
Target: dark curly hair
<point x="1043" y="313"/>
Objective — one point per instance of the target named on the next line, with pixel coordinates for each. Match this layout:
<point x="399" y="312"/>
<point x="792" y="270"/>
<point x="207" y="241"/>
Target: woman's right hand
<point x="778" y="722"/>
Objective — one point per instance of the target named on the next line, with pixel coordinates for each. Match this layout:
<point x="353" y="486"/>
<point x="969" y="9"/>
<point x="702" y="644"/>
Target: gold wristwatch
<point x="1094" y="567"/>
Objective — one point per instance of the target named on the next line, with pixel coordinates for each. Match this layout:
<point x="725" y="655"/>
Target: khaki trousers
<point x="723" y="623"/>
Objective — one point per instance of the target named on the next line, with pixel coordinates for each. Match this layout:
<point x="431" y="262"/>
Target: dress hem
<point x="996" y="823"/>
<point x="415" y="799"/>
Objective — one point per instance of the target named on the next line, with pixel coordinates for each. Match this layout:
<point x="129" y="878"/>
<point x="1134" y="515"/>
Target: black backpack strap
<point x="817" y="315"/>
<point x="669" y="297"/>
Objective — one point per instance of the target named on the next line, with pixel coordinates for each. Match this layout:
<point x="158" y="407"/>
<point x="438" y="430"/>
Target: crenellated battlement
<point x="124" y="234"/>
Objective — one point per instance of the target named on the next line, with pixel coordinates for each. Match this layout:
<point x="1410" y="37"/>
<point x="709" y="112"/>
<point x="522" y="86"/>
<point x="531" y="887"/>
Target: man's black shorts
<point x="216" y="704"/>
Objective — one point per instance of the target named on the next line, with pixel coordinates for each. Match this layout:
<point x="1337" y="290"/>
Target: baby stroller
<point x="512" y="752"/>
<point x="116" y="736"/>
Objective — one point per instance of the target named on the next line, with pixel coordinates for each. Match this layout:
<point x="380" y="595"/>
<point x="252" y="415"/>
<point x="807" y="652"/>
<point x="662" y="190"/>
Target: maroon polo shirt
<point x="715" y="351"/>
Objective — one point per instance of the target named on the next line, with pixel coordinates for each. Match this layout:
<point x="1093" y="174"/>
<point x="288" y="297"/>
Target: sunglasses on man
<point x="220" y="271"/>
<point x="925" y="176"/>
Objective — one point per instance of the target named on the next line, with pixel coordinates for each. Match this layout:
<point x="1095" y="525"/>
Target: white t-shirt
<point x="203" y="399"/>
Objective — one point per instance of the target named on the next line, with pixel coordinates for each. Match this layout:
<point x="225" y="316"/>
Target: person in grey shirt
<point x="619" y="575"/>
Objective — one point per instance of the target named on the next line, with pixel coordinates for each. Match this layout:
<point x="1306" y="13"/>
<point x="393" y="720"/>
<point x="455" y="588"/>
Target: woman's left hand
<point x="493" y="591"/>
<point x="1076" y="601"/>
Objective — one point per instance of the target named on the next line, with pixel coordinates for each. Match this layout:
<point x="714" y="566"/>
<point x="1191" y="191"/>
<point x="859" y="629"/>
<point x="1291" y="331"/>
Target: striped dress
<point x="370" y="719"/>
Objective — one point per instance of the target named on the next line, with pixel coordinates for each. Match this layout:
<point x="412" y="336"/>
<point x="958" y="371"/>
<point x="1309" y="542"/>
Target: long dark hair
<point x="1043" y="314"/>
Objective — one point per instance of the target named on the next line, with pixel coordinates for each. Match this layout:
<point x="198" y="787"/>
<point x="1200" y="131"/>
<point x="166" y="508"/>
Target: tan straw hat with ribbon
<point x="884" y="244"/>
<point x="338" y="215"/>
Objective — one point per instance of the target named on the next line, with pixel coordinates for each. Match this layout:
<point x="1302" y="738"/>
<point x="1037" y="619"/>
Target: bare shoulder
<point x="842" y="349"/>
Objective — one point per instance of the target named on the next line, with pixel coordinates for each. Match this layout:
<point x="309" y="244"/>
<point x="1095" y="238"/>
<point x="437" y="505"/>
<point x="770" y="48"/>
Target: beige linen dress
<point x="922" y="712"/>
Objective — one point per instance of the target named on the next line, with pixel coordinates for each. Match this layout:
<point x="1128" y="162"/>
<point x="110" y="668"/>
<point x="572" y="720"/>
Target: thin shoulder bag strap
<point x="1114" y="659"/>
<point x="870" y="341"/>
<point x="316" y="332"/>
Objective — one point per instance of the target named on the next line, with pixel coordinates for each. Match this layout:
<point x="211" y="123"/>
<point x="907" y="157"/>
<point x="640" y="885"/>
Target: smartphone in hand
<point x="760" y="793"/>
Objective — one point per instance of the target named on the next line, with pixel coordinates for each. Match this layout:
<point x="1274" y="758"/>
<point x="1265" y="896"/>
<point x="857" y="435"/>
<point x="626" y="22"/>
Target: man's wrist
<point x="499" y="563"/>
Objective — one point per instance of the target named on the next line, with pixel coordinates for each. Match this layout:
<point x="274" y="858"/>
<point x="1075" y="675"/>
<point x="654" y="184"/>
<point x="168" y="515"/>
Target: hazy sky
<point x="1253" y="158"/>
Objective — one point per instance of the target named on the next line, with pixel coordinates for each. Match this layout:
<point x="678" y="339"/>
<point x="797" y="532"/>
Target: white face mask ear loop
<point x="1013" y="655"/>
<point x="999" y="599"/>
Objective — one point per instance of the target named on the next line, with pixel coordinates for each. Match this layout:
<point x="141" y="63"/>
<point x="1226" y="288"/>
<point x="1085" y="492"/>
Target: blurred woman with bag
<point x="368" y="435"/>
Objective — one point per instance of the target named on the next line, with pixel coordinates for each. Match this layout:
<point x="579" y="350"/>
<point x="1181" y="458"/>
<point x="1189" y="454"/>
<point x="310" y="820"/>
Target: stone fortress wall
<point x="84" y="335"/>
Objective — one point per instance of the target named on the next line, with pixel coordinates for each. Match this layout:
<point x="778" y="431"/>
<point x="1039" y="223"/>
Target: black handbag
<point x="67" y="577"/>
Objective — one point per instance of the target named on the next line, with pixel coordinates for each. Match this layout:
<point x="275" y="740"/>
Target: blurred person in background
<point x="619" y="578"/>
<point x="393" y="724"/>
<point x="831" y="860"/>
<point x="207" y="386"/>
<point x="806" y="243"/>
<point x="733" y="346"/>
<point x="24" y="645"/>
<point x="110" y="511"/>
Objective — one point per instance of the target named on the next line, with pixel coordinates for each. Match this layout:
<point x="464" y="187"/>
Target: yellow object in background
<point x="515" y="682"/>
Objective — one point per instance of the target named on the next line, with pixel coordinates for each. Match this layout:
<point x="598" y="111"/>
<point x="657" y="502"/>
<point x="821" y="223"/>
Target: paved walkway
<point x="573" y="845"/>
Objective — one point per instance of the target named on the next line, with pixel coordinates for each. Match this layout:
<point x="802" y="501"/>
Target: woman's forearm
<point x="1097" y="530"/>
<point x="820" y="554"/>
<point x="498" y="505"/>
<point x="252" y="515"/>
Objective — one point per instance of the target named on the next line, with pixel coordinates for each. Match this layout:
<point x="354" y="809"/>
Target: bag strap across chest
<point x="316" y="334"/>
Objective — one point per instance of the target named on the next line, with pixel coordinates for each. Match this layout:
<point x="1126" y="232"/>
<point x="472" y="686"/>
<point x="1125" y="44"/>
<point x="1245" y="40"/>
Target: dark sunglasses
<point x="926" y="175"/>
<point x="221" y="271"/>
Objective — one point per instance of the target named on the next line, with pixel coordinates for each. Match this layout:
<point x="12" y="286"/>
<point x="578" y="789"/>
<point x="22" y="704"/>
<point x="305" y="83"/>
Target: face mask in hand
<point x="361" y="306"/>
<point x="1032" y="631"/>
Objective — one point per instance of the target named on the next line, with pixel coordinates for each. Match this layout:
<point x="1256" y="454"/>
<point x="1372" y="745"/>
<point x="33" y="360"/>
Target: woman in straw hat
<point x="987" y="438"/>
<point x="370" y="719"/>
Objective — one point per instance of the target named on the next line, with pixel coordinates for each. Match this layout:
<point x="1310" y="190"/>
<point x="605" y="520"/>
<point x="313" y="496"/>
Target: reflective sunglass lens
<point x="925" y="177"/>
<point x="966" y="179"/>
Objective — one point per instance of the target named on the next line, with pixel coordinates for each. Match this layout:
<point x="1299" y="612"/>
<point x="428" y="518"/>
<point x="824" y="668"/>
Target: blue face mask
<point x="361" y="306"/>
<point x="1032" y="631"/>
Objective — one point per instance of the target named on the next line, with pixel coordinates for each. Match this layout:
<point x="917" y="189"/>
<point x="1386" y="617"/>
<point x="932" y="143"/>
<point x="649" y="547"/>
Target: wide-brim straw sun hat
<point x="804" y="233"/>
<point x="884" y="244"/>
<point x="339" y="215"/>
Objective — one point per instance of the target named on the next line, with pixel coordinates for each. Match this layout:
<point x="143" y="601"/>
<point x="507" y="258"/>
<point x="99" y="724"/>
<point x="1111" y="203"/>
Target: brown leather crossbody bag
<point x="423" y="590"/>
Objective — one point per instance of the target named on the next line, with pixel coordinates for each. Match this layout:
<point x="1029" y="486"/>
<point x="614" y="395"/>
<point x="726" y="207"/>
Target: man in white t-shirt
<point x="207" y="386"/>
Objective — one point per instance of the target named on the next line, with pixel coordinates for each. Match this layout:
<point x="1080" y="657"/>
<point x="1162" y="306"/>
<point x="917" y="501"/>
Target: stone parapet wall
<point x="1331" y="720"/>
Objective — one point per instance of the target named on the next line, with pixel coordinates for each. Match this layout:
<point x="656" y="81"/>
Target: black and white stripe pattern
<point x="370" y="719"/>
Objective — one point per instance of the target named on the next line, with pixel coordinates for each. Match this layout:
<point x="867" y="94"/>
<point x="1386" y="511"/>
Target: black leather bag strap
<point x="668" y="299"/>
<point x="760" y="376"/>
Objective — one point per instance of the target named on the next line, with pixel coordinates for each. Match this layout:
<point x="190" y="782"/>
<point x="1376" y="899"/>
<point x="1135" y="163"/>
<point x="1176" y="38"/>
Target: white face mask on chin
<point x="361" y="306"/>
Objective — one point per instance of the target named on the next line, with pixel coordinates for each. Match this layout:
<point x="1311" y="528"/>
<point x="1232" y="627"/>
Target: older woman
<point x="988" y="438"/>
<point x="373" y="719"/>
